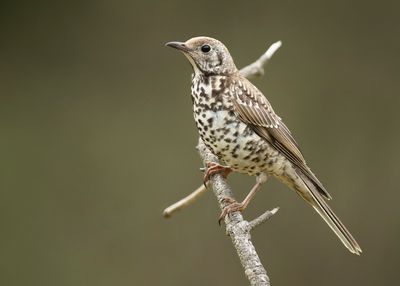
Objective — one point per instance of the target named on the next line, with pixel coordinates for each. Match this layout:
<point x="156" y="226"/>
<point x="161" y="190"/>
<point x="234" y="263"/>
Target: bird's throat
<point x="196" y="69"/>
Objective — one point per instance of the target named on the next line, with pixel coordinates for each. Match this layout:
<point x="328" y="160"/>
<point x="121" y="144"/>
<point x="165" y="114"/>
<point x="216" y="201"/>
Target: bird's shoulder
<point x="250" y="103"/>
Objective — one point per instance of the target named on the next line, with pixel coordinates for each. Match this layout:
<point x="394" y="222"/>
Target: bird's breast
<point x="233" y="141"/>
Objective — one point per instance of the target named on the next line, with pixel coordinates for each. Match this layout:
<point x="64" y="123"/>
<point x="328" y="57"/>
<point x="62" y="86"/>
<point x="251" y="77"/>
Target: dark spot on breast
<point x="250" y="142"/>
<point x="247" y="131"/>
<point x="202" y="92"/>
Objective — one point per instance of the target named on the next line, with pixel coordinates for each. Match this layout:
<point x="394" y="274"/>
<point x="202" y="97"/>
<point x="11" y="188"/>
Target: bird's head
<point x="207" y="56"/>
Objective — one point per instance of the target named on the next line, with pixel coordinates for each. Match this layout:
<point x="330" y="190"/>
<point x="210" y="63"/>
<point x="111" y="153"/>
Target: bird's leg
<point x="233" y="205"/>
<point x="214" y="168"/>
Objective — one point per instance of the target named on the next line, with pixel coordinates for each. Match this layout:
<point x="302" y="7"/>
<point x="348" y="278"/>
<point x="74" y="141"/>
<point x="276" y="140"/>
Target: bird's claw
<point x="231" y="206"/>
<point x="215" y="168"/>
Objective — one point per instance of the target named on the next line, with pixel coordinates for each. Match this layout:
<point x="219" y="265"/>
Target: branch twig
<point x="263" y="218"/>
<point x="257" y="68"/>
<point x="186" y="201"/>
<point x="236" y="227"/>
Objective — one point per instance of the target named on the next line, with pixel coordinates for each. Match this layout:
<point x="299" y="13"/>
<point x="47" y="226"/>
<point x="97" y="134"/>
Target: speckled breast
<point x="233" y="141"/>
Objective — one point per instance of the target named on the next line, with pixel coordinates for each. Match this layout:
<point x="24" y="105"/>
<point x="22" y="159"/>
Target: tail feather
<point x="314" y="198"/>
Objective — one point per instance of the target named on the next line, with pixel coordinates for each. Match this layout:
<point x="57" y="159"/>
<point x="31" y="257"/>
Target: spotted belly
<point x="235" y="143"/>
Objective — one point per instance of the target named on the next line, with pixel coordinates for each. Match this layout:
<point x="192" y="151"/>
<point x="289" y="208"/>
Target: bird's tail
<point x="314" y="198"/>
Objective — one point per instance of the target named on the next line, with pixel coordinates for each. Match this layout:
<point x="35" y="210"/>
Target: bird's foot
<point x="232" y="206"/>
<point x="214" y="168"/>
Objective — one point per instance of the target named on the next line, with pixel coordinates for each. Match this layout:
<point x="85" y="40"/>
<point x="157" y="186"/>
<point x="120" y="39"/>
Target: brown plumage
<point x="254" y="109"/>
<point x="238" y="124"/>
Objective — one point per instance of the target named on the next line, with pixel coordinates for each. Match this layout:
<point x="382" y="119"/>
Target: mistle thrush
<point x="238" y="124"/>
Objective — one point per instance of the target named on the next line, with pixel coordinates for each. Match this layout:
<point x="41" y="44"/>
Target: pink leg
<point x="233" y="205"/>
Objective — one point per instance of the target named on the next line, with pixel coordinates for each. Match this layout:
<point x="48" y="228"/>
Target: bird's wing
<point x="253" y="108"/>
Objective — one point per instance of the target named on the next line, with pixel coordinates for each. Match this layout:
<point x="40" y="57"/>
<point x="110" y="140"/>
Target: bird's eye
<point x="205" y="48"/>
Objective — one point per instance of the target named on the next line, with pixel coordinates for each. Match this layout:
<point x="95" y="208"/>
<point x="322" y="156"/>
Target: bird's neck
<point x="209" y="90"/>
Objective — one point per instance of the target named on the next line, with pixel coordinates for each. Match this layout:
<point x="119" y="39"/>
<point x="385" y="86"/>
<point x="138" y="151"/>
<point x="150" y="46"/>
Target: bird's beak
<point x="178" y="45"/>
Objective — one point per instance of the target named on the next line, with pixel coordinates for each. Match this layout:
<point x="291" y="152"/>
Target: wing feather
<point x="253" y="108"/>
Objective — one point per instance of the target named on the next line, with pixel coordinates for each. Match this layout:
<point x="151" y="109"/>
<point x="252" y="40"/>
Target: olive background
<point x="97" y="138"/>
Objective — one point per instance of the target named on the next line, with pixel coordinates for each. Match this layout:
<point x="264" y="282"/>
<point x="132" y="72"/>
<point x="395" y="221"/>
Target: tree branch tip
<point x="257" y="67"/>
<point x="185" y="202"/>
<point x="262" y="218"/>
<point x="274" y="210"/>
<point x="272" y="49"/>
<point x="278" y="44"/>
<point x="166" y="214"/>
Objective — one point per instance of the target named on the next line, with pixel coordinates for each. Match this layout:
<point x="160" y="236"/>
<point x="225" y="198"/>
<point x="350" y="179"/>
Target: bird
<point x="238" y="124"/>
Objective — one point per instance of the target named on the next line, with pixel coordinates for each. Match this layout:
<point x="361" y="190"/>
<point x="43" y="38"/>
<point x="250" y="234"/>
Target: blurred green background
<point x="97" y="138"/>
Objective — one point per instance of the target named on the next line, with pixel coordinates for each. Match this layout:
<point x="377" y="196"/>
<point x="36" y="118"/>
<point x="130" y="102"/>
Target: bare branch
<point x="257" y="68"/>
<point x="262" y="218"/>
<point x="186" y="201"/>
